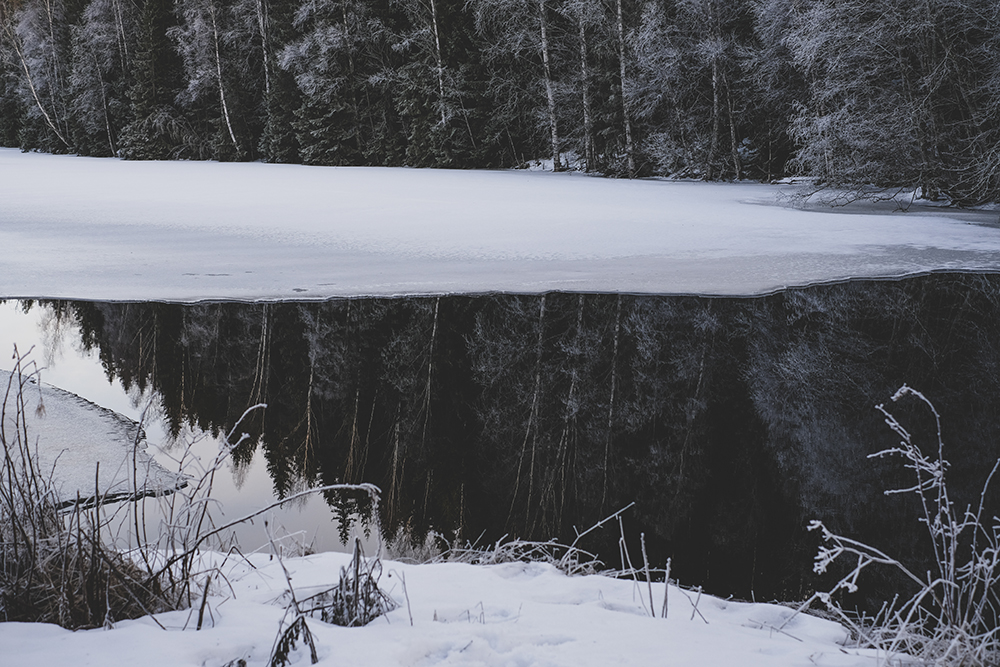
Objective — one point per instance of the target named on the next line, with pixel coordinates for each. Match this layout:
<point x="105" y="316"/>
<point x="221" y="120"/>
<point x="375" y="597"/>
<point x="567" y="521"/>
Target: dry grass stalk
<point x="952" y="618"/>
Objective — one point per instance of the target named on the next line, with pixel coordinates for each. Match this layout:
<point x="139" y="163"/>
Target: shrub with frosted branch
<point x="952" y="618"/>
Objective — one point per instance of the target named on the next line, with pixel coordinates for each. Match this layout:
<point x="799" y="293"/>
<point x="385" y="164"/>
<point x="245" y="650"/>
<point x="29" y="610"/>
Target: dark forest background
<point x="853" y="93"/>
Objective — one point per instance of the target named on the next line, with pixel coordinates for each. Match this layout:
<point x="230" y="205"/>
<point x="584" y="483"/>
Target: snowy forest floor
<point x="106" y="229"/>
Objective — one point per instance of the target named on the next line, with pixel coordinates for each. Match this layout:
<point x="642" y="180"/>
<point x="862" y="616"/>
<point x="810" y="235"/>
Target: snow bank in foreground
<point x="72" y="436"/>
<point x="105" y="229"/>
<point x="504" y="615"/>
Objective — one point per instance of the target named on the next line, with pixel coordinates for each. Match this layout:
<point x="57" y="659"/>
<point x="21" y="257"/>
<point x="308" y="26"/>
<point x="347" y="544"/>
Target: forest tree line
<point x="889" y="94"/>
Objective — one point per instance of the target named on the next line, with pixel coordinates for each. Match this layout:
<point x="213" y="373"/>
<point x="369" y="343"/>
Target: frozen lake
<point x="104" y="229"/>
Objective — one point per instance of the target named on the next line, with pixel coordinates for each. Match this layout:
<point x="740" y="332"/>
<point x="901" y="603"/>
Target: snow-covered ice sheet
<point x="79" y="446"/>
<point x="516" y="614"/>
<point x="73" y="227"/>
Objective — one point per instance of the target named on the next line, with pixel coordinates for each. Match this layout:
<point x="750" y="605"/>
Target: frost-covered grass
<point x="950" y="616"/>
<point x="55" y="565"/>
<point x="181" y="231"/>
<point x="508" y="614"/>
<point x="63" y="556"/>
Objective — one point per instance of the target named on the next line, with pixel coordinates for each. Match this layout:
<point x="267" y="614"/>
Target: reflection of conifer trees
<point x="822" y="358"/>
<point x="432" y="435"/>
<point x="692" y="448"/>
<point x="729" y="422"/>
<point x="545" y="365"/>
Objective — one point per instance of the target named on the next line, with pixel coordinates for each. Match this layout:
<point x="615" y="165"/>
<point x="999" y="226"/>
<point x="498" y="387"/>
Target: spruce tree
<point x="156" y="132"/>
<point x="11" y="110"/>
<point x="278" y="141"/>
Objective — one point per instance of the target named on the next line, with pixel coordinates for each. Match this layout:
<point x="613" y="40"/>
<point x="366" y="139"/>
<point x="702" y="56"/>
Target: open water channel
<point x="729" y="422"/>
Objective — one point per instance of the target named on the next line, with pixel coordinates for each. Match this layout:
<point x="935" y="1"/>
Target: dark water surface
<point x="730" y="422"/>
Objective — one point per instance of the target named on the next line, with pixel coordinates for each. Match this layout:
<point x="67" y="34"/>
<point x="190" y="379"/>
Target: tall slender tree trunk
<point x="627" y="119"/>
<point x="564" y="453"/>
<point x="308" y="442"/>
<point x="737" y="165"/>
<point x="430" y="372"/>
<point x="532" y="428"/>
<point x="222" y="90"/>
<point x="349" y="473"/>
<point x="588" y="123"/>
<point x="120" y="35"/>
<point x="611" y="402"/>
<point x="570" y="437"/>
<point x="440" y="60"/>
<point x="262" y="23"/>
<point x="56" y="90"/>
<point x="350" y="76"/>
<point x="714" y="148"/>
<point x="258" y="391"/>
<point x="396" y="472"/>
<point x="104" y="104"/>
<point x="549" y="89"/>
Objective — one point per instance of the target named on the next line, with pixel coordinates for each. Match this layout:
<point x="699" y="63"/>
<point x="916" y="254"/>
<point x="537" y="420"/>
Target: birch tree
<point x="213" y="43"/>
<point x="521" y="31"/>
<point x="103" y="48"/>
<point x="36" y="39"/>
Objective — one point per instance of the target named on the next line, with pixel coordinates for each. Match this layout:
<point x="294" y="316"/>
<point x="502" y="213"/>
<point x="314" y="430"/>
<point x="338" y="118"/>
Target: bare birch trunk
<point x="629" y="147"/>
<point x="611" y="402"/>
<point x="430" y="372"/>
<point x="120" y="35"/>
<point x="308" y="442"/>
<point x="104" y="104"/>
<point x="732" y="131"/>
<point x="588" y="123"/>
<point x="532" y="419"/>
<point x="564" y="455"/>
<point x="259" y="390"/>
<point x="14" y="42"/>
<point x="222" y="91"/>
<point x="396" y="475"/>
<point x="57" y="80"/>
<point x="349" y="475"/>
<point x="549" y="90"/>
<point x="715" y="119"/>
<point x="262" y="26"/>
<point x="38" y="101"/>
<point x="350" y="75"/>
<point x="440" y="61"/>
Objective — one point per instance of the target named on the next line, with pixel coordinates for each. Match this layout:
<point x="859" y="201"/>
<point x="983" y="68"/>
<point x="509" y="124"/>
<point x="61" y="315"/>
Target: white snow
<point x="105" y="229"/>
<point x="515" y="614"/>
<point x="69" y="437"/>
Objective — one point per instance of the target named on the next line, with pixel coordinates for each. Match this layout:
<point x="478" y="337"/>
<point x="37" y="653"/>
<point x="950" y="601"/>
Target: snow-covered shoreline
<point x="509" y="614"/>
<point x="105" y="229"/>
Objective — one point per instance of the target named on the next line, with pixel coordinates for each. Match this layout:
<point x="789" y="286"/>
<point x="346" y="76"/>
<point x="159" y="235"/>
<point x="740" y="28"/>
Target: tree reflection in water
<point x="730" y="422"/>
